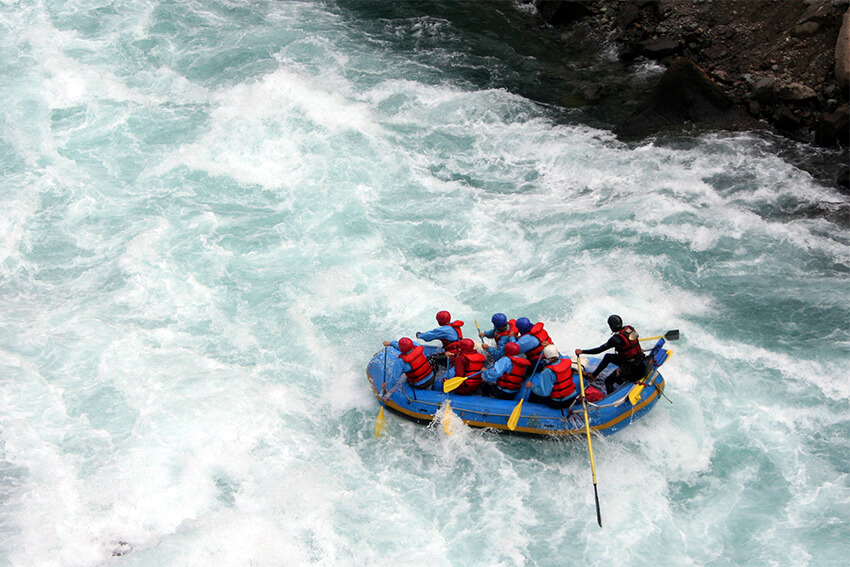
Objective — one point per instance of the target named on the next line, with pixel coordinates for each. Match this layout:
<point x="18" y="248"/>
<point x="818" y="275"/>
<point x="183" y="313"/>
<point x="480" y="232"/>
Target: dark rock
<point x="843" y="181"/>
<point x="785" y="119"/>
<point x="685" y="95"/>
<point x="834" y="128"/>
<point x="764" y="90"/>
<point x="842" y="54"/>
<point x="592" y="93"/>
<point x="562" y="12"/>
<point x="716" y="52"/>
<point x="807" y="29"/>
<point x="628" y="15"/>
<point x="795" y="92"/>
<point x="721" y="76"/>
<point x="658" y="48"/>
<point x="653" y="5"/>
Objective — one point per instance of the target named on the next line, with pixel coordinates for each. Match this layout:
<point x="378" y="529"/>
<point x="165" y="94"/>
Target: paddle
<point x="669" y="335"/>
<point x="634" y="393"/>
<point x="379" y="424"/>
<point x="517" y="412"/>
<point x="589" y="443"/>
<point x="446" y="419"/>
<point x="637" y="389"/>
<point x="454" y="383"/>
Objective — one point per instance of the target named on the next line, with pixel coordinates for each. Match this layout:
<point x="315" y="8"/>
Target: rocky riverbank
<point x="731" y="64"/>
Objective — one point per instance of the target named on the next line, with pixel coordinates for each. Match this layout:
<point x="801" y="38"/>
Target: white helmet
<point x="551" y="351"/>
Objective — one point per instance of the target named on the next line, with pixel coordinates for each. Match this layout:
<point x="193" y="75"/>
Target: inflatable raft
<point x="607" y="416"/>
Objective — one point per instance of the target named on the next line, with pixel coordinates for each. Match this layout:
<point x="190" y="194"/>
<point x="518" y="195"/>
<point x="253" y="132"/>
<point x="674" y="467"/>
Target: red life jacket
<point x="474" y="363"/>
<point x="564" y="386"/>
<point x="512" y="380"/>
<point x="539" y="333"/>
<point x="631" y="345"/>
<point x="512" y="330"/>
<point x="450" y="345"/>
<point x="420" y="368"/>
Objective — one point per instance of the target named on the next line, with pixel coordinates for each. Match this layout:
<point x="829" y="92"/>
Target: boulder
<point x="834" y="128"/>
<point x="562" y="12"/>
<point x="685" y="95"/>
<point x="628" y="15"/>
<point x="658" y="48"/>
<point x="764" y="90"/>
<point x="796" y="92"/>
<point x="842" y="54"/>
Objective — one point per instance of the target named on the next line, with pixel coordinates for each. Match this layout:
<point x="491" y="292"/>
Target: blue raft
<point x="607" y="416"/>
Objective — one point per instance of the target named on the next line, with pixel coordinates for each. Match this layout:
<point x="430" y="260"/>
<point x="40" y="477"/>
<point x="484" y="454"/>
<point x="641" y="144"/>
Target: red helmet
<point x="466" y="345"/>
<point x="443" y="318"/>
<point x="512" y="348"/>
<point x="405" y="345"/>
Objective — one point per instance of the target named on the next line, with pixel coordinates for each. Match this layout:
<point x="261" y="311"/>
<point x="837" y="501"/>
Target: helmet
<point x="512" y="348"/>
<point x="405" y="345"/>
<point x="523" y="325"/>
<point x="551" y="351"/>
<point x="466" y="345"/>
<point x="499" y="320"/>
<point x="443" y="317"/>
<point x="615" y="322"/>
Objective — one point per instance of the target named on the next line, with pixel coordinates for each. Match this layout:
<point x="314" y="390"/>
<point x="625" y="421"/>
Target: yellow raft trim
<point x="429" y="417"/>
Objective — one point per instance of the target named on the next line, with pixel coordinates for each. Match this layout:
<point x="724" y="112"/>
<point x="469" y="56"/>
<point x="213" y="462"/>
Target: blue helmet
<point x="523" y="325"/>
<point x="499" y="320"/>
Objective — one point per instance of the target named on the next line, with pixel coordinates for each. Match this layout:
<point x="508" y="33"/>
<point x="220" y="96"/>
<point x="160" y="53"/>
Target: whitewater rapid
<point x="214" y="213"/>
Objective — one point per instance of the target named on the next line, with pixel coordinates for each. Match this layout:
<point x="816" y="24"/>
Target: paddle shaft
<point x="379" y="423"/>
<point x="589" y="442"/>
<point x="672" y="335"/>
<point x="455" y="382"/>
<point x="517" y="411"/>
<point x="477" y="328"/>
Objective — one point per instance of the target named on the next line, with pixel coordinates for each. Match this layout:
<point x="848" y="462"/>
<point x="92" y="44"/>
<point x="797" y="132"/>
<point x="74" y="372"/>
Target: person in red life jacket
<point x="628" y="355"/>
<point x="419" y="372"/>
<point x="468" y="362"/>
<point x="504" y="378"/>
<point x="533" y="339"/>
<point x="448" y="333"/>
<point x="503" y="332"/>
<point x="554" y="385"/>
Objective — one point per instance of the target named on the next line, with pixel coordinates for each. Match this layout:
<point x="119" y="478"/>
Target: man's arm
<point x="445" y="332"/>
<point x="612" y="342"/>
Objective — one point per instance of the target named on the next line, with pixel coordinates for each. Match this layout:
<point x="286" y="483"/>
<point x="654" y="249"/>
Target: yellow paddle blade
<point x="635" y="392"/>
<point x="514" y="418"/>
<point x="453" y="383"/>
<point x="446" y="418"/>
<point x="379" y="424"/>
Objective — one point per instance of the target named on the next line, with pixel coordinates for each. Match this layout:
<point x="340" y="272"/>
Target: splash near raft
<point x="629" y="402"/>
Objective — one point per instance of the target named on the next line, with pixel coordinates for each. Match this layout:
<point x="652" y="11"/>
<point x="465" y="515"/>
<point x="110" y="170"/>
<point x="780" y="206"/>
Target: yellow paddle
<point x="477" y="328"/>
<point x="453" y="383"/>
<point x="446" y="418"/>
<point x="669" y="335"/>
<point x="514" y="418"/>
<point x="379" y="423"/>
<point x="517" y="411"/>
<point x="589" y="443"/>
<point x="637" y="389"/>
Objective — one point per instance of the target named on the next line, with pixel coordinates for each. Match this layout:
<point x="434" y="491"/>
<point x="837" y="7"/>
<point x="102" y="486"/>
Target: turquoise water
<point x="214" y="212"/>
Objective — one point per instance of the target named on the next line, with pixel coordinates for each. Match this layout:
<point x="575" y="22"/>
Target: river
<point x="214" y="212"/>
